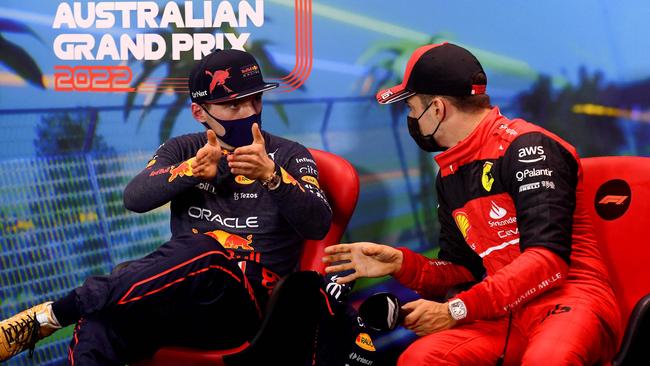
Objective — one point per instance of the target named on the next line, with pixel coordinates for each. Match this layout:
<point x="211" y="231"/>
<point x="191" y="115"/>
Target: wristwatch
<point x="457" y="309"/>
<point x="272" y="182"/>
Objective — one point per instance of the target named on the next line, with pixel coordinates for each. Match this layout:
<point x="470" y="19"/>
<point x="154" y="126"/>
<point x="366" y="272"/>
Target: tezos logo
<point x="613" y="199"/>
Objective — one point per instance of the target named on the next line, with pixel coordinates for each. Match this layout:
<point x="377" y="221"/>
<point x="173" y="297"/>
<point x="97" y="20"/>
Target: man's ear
<point x="439" y="108"/>
<point x="198" y="113"/>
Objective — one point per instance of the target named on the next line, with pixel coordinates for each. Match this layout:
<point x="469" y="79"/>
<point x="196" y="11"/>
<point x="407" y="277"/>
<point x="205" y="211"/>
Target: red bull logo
<point x="248" y="71"/>
<point x="183" y="170"/>
<point x="219" y="78"/>
<point x="231" y="241"/>
<point x="364" y="341"/>
<point x="288" y="179"/>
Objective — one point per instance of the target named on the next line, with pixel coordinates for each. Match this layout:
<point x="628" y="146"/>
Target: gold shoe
<point x="23" y="330"/>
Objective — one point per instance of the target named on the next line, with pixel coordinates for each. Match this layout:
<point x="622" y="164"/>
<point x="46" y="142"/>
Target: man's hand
<point x="252" y="161"/>
<point x="207" y="158"/>
<point x="426" y="317"/>
<point x="366" y="259"/>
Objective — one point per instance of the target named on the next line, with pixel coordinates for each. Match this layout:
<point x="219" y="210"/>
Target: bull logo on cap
<point x="219" y="78"/>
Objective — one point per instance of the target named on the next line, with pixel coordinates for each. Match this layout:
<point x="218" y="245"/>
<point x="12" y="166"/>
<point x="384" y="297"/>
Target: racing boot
<point x="23" y="330"/>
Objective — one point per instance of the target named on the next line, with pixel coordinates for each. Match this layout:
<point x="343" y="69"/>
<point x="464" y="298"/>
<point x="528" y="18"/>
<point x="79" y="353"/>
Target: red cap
<point x="437" y="69"/>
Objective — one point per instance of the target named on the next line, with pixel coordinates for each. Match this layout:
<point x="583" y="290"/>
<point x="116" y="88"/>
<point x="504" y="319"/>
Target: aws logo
<point x="536" y="151"/>
<point x="462" y="221"/>
<point x="364" y="341"/>
<point x="487" y="178"/>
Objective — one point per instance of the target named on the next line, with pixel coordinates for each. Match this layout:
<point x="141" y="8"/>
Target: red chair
<point x="619" y="188"/>
<point x="340" y="182"/>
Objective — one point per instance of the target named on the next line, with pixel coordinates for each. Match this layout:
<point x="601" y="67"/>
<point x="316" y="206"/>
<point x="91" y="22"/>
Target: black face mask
<point x="237" y="131"/>
<point x="426" y="143"/>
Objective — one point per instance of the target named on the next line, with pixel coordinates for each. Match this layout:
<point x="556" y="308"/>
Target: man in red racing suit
<point x="513" y="218"/>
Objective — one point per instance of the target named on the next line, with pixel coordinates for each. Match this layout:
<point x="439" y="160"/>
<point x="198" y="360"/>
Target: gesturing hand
<point x="426" y="317"/>
<point x="366" y="259"/>
<point x="252" y="161"/>
<point x="207" y="158"/>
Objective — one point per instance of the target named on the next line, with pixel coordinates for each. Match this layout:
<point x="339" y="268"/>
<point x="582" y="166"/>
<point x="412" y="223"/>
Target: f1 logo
<point x="618" y="200"/>
<point x="613" y="199"/>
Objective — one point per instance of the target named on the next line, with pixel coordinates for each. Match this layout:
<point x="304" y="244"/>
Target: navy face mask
<point x="426" y="143"/>
<point x="237" y="131"/>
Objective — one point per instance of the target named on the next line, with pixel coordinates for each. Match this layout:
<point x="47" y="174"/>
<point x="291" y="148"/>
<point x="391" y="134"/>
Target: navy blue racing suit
<point x="232" y="239"/>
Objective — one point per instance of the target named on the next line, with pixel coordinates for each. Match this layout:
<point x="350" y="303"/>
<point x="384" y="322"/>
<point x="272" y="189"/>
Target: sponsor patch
<point x="184" y="169"/>
<point x="462" y="221"/>
<point x="487" y="179"/>
<point x="249" y="70"/>
<point x="311" y="180"/>
<point x="529" y="187"/>
<point x="305" y="160"/>
<point x="243" y="180"/>
<point x="526" y="154"/>
<point x="231" y="241"/>
<point x="530" y="173"/>
<point x="243" y="195"/>
<point x="288" y="179"/>
<point x="496" y="211"/>
<point x="229" y="222"/>
<point x="364" y="341"/>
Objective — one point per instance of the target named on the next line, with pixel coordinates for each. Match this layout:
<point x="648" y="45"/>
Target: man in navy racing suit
<point x="242" y="203"/>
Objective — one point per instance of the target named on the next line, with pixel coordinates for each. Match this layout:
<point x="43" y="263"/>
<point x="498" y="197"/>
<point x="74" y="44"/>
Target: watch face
<point x="457" y="309"/>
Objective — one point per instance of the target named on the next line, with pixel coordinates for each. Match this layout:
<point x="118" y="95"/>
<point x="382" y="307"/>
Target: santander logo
<point x="497" y="212"/>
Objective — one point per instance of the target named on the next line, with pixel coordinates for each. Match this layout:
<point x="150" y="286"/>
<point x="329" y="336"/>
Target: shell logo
<point x="364" y="341"/>
<point x="243" y="180"/>
<point x="462" y="221"/>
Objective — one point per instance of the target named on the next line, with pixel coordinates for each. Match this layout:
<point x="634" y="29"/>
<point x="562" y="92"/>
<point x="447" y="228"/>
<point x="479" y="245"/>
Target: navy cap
<point x="225" y="75"/>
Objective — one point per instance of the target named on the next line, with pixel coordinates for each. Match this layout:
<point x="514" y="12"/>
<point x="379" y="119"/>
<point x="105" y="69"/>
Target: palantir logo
<point x="497" y="212"/>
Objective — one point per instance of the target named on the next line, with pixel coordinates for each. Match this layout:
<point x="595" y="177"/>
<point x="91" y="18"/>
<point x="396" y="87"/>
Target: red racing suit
<point x="513" y="218"/>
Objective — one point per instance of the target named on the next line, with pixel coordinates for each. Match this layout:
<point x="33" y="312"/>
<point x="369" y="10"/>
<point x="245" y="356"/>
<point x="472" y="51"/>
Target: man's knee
<point x="422" y="353"/>
<point x="552" y="354"/>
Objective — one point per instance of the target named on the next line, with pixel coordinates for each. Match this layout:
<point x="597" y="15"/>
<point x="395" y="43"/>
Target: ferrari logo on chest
<point x="487" y="179"/>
